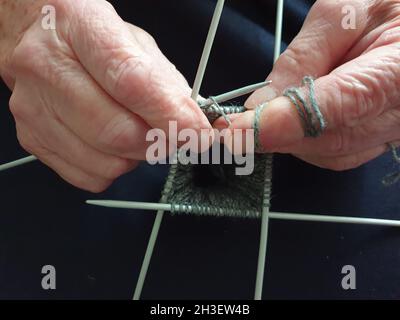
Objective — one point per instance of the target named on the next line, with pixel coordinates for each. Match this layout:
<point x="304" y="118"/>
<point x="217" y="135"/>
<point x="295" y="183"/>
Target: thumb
<point x="357" y="91"/>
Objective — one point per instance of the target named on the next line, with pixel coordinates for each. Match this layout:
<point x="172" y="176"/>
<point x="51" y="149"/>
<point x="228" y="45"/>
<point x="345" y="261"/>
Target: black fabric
<point x="98" y="252"/>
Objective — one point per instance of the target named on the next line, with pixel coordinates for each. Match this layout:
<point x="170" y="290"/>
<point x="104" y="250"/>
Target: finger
<point x="316" y="50"/>
<point x="131" y="68"/>
<point x="222" y="123"/>
<point x="8" y="80"/>
<point x="343" y="141"/>
<point x="53" y="134"/>
<point x="84" y="108"/>
<point x="352" y="94"/>
<point x="77" y="153"/>
<point x="347" y="162"/>
<point x="74" y="175"/>
<point x="68" y="172"/>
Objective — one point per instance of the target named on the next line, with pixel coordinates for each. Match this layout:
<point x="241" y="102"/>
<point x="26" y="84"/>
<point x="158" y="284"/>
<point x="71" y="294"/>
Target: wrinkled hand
<point x="357" y="86"/>
<point x="85" y="95"/>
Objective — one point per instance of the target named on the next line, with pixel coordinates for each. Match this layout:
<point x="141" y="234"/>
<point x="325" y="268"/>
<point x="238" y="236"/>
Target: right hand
<point x="85" y="94"/>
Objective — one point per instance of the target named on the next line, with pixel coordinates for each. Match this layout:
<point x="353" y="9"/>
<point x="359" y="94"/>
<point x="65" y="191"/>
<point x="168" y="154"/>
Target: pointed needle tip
<point x="94" y="202"/>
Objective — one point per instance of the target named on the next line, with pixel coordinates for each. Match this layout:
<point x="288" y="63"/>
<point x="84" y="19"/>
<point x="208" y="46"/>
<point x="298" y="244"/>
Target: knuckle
<point x="95" y="186"/>
<point x="25" y="111"/>
<point x="25" y="143"/>
<point x="333" y="9"/>
<point x="294" y="58"/>
<point x="24" y="49"/>
<point x="117" y="167"/>
<point x="356" y="98"/>
<point x="30" y="57"/>
<point x="343" y="163"/>
<point x="327" y="6"/>
<point x="336" y="164"/>
<point x="119" y="134"/>
<point x="128" y="79"/>
<point x="91" y="183"/>
<point x="16" y="108"/>
<point x="143" y="36"/>
<point x="339" y="143"/>
<point x="66" y="9"/>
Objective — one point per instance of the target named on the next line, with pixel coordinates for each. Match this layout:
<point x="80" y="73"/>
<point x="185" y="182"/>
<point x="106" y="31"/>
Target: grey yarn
<point x="218" y="109"/>
<point x="215" y="110"/>
<point x="256" y="126"/>
<point x="309" y="111"/>
<point x="394" y="177"/>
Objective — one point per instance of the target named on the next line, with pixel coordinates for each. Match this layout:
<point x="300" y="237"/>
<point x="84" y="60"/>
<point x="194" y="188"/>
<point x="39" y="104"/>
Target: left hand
<point x="357" y="74"/>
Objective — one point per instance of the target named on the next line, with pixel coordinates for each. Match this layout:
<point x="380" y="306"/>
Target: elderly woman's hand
<point x="357" y="85"/>
<point x="85" y="94"/>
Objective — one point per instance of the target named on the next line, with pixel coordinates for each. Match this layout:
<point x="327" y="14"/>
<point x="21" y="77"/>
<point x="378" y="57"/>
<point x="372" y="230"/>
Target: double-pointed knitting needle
<point x="272" y="215"/>
<point x="195" y="93"/>
<point x="262" y="253"/>
<point x="234" y="94"/>
<point x="17" y="163"/>
<point x="207" y="49"/>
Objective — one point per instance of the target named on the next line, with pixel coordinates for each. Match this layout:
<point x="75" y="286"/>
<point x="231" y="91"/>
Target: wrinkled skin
<point x="357" y="84"/>
<point x="85" y="95"/>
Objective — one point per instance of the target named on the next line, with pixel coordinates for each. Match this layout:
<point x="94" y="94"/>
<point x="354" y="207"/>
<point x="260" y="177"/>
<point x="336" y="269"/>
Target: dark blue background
<point x="98" y="252"/>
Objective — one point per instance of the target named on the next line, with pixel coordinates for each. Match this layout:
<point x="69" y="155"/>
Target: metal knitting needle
<point x="207" y="49"/>
<point x="265" y="214"/>
<point x="278" y="31"/>
<point x="334" y="219"/>
<point x="272" y="215"/>
<point x="234" y="94"/>
<point x="17" y="163"/>
<point x="195" y="93"/>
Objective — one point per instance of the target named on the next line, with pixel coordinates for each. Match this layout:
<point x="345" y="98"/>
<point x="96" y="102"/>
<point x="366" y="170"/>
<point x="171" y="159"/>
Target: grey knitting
<point x="215" y="111"/>
<point x="216" y="190"/>
<point x="313" y="120"/>
<point x="256" y="127"/>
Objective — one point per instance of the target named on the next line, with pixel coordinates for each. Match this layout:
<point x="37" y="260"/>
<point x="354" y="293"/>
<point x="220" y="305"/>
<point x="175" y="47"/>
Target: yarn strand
<point x="313" y="120"/>
<point x="394" y="177"/>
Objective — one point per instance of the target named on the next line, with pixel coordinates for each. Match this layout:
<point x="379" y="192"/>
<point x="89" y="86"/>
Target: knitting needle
<point x="195" y="93"/>
<point x="278" y="31"/>
<point x="234" y="94"/>
<point x="262" y="253"/>
<point x="334" y="219"/>
<point x="272" y="215"/>
<point x="130" y="205"/>
<point x="265" y="214"/>
<point x="207" y="49"/>
<point x="17" y="163"/>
